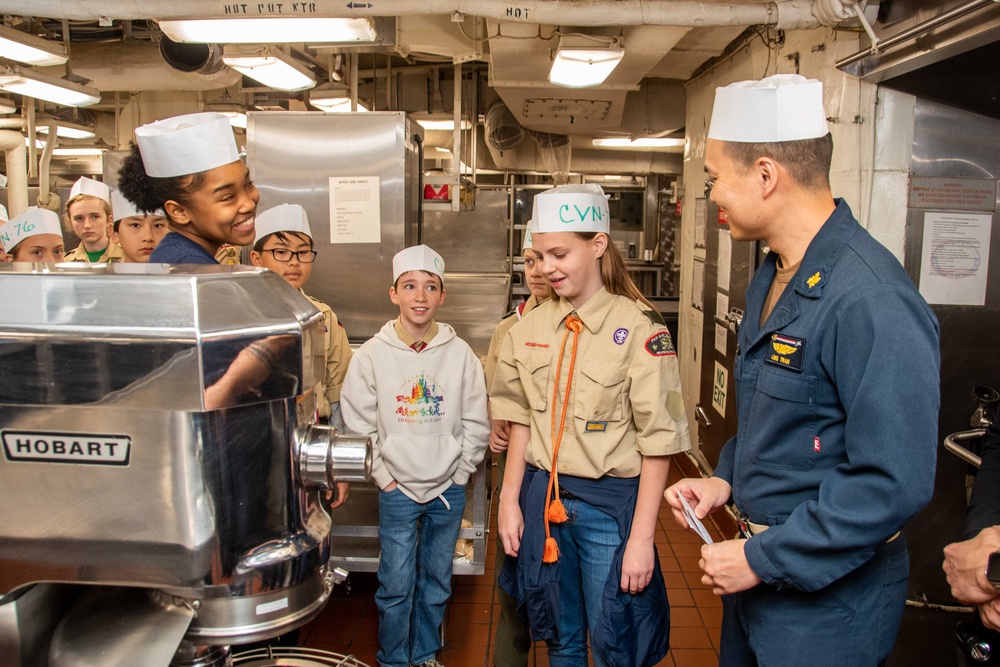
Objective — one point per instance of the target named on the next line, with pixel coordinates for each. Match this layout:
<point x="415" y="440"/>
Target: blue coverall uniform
<point x="176" y="248"/>
<point x="838" y="397"/>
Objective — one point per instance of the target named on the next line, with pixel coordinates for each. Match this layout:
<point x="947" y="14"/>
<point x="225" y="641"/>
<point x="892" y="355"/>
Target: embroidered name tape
<point x="597" y="426"/>
<point x="786" y="351"/>
<point x="660" y="345"/>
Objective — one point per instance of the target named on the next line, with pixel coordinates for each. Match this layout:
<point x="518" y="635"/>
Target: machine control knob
<point x="326" y="457"/>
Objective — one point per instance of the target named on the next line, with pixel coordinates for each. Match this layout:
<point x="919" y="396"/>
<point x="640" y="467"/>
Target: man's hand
<point x="989" y="612"/>
<point x="726" y="568"/>
<point x="499" y="435"/>
<point x="965" y="566"/>
<point x="705" y="495"/>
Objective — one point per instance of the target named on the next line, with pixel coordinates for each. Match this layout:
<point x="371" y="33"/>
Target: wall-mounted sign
<point x="961" y="194"/>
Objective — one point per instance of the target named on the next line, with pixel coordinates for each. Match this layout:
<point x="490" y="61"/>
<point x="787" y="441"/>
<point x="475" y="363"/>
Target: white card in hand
<point x="693" y="521"/>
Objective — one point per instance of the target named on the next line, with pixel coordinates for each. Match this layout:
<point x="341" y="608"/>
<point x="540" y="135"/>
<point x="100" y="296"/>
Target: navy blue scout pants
<point x="850" y="623"/>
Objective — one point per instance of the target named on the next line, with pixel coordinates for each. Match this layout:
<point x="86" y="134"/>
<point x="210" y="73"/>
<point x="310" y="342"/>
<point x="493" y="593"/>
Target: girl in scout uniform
<point x="33" y="236"/>
<point x="88" y="214"/>
<point x="512" y="642"/>
<point x="589" y="381"/>
<point x="189" y="166"/>
<point x="137" y="233"/>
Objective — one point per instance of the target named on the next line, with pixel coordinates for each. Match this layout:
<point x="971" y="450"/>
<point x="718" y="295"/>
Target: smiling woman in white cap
<point x="189" y="167"/>
<point x="88" y="214"/>
<point x="33" y="236"/>
<point x="590" y="383"/>
<point x="837" y="374"/>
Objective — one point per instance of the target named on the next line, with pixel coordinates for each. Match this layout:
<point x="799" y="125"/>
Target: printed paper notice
<point x="719" y="389"/>
<point x="725" y="258"/>
<point x="355" y="213"/>
<point x="955" y="258"/>
<point x="721" y="334"/>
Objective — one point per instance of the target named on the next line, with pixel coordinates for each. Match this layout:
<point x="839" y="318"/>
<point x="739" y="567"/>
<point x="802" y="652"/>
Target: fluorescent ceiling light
<point x="644" y="142"/>
<point x="335" y="104"/>
<point x="440" y="123"/>
<point x="269" y="30"/>
<point x="49" y="88"/>
<point x="78" y="151"/>
<point x="270" y="66"/>
<point x="29" y="49"/>
<point x="66" y="130"/>
<point x="576" y="67"/>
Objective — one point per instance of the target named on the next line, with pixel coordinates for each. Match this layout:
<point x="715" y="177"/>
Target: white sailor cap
<point x="417" y="258"/>
<point x="32" y="222"/>
<point x="571" y="208"/>
<point x="4" y="217"/>
<point x="123" y="208"/>
<point x="188" y="144"/>
<point x="783" y="107"/>
<point x="283" y="218"/>
<point x="90" y="187"/>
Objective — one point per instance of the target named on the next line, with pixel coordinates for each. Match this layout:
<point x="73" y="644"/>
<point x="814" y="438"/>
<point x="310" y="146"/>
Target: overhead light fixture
<point x="72" y="151"/>
<point x="65" y="129"/>
<point x="29" y="49"/>
<point x="231" y="109"/>
<point x="439" y="121"/>
<point x="270" y="66"/>
<point x="332" y="98"/>
<point x="643" y="142"/>
<point x="270" y="30"/>
<point x="49" y="88"/>
<point x="578" y="64"/>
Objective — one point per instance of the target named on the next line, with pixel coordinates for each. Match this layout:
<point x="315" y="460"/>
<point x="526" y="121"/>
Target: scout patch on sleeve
<point x="660" y="345"/>
<point x="786" y="351"/>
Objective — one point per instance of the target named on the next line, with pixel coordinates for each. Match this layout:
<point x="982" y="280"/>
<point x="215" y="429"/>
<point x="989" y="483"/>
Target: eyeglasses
<point x="285" y="255"/>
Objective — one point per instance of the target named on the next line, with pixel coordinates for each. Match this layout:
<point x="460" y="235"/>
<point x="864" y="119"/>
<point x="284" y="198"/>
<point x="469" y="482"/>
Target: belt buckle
<point x="743" y="523"/>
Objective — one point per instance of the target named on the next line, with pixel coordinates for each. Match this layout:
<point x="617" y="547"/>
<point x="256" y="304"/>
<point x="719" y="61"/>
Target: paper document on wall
<point x="355" y="210"/>
<point x="955" y="258"/>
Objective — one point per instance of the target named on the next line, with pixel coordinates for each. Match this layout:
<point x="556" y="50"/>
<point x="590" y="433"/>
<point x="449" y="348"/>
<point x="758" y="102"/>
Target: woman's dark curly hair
<point x="148" y="193"/>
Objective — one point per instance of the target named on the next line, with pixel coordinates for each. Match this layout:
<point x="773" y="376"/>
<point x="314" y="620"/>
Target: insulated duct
<point x="12" y="143"/>
<point x="135" y="66"/>
<point x="200" y="58"/>
<point x="503" y="132"/>
<point x="787" y="14"/>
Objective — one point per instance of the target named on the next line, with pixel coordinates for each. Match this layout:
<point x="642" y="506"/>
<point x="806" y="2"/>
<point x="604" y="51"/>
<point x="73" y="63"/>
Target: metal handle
<point x="735" y="319"/>
<point x="701" y="417"/>
<point x="326" y="457"/>
<point x="970" y="457"/>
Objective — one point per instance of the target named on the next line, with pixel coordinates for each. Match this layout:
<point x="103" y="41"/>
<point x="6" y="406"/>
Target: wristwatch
<point x="993" y="569"/>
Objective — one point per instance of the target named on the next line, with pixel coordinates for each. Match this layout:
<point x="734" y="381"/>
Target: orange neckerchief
<point x="554" y="510"/>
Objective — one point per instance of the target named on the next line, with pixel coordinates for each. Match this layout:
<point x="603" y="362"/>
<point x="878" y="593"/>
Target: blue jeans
<point x="414" y="573"/>
<point x="587" y="544"/>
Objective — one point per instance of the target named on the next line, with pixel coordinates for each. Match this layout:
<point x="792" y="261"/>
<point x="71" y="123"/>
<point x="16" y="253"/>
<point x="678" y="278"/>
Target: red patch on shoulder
<point x="660" y="345"/>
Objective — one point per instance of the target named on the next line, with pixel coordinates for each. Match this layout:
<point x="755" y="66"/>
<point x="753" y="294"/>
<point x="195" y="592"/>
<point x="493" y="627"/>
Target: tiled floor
<point x="349" y="624"/>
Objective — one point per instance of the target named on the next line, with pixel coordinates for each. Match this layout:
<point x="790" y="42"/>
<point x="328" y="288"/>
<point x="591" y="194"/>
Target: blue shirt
<point x="176" y="248"/>
<point x="838" y="397"/>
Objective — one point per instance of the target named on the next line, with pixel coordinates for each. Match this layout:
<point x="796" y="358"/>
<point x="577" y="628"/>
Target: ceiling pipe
<point x="788" y="14"/>
<point x="12" y="144"/>
<point x="46" y="199"/>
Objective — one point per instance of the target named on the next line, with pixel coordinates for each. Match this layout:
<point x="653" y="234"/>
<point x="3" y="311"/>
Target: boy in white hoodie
<point x="418" y="391"/>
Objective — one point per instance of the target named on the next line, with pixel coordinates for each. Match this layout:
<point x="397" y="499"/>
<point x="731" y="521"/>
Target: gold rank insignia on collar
<point x="813" y="279"/>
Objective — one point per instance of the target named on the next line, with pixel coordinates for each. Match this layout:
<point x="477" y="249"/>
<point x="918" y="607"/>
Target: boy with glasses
<point x="284" y="245"/>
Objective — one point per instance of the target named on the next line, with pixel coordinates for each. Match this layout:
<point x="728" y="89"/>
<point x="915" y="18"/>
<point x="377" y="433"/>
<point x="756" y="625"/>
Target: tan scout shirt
<point x="338" y="356"/>
<point x="625" y="401"/>
<point x="113" y="253"/>
<point x="509" y="320"/>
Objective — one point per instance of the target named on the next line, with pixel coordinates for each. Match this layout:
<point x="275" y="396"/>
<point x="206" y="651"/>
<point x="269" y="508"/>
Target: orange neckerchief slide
<point x="554" y="510"/>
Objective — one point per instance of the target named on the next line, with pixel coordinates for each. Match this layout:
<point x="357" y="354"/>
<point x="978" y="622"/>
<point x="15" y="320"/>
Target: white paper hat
<point x="571" y="208"/>
<point x="783" y="107"/>
<point x="417" y="258"/>
<point x="123" y="208"/>
<point x="527" y="237"/>
<point x="283" y="218"/>
<point x="4" y="217"/>
<point x="187" y="144"/>
<point x="32" y="222"/>
<point x="88" y="186"/>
